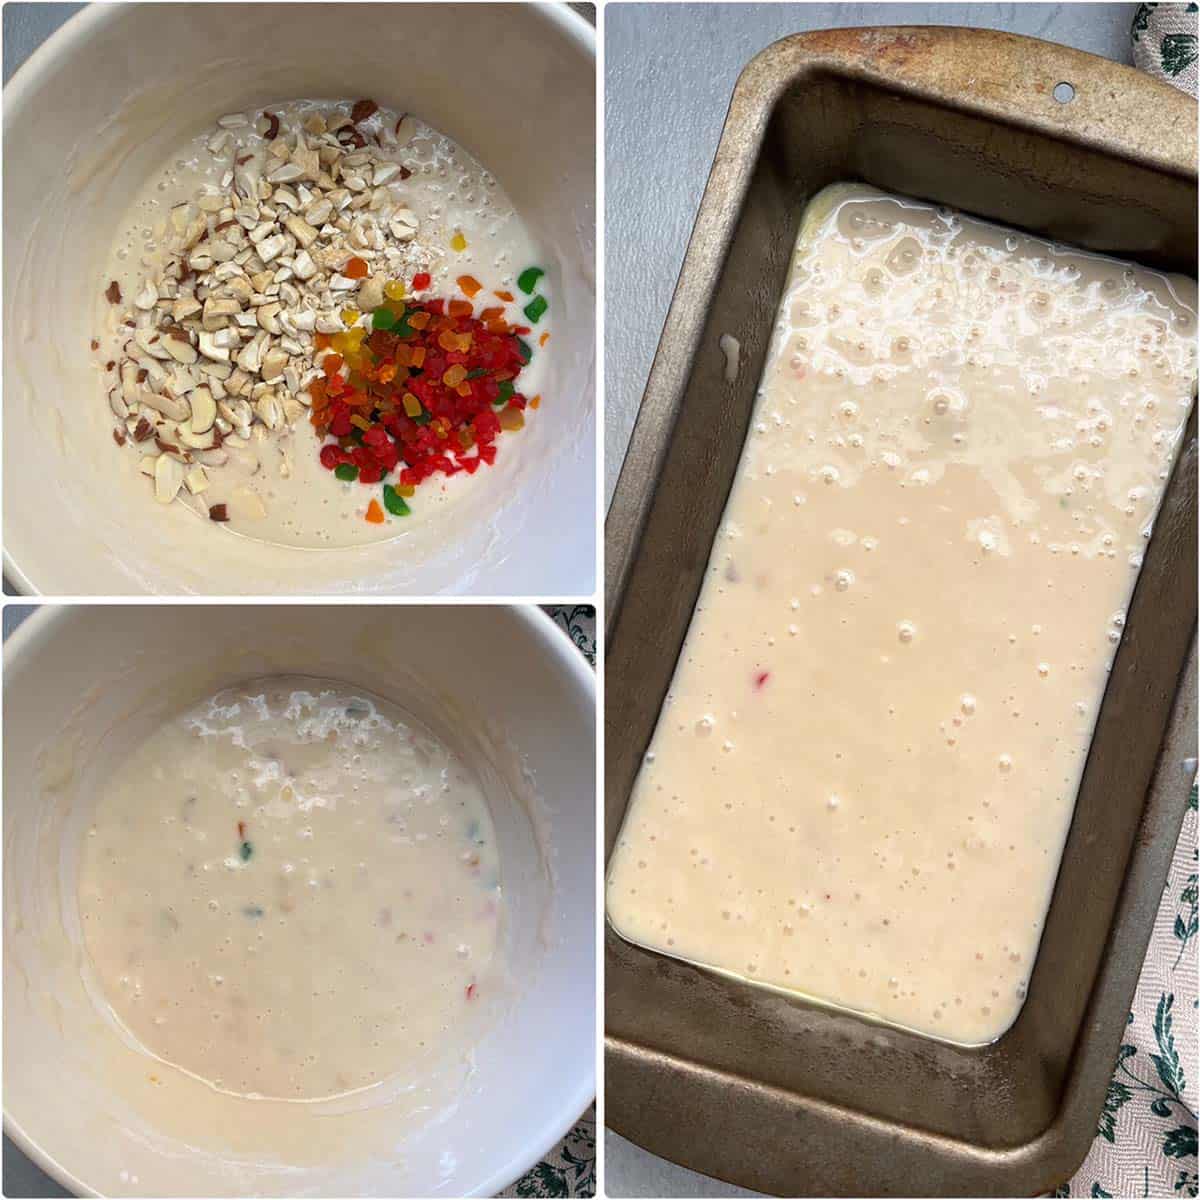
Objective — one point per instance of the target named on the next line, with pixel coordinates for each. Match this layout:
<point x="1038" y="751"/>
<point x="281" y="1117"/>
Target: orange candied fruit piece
<point x="536" y="402"/>
<point x="505" y="296"/>
<point x="331" y="364"/>
<point x="544" y="338"/>
<point x="470" y="286"/>
<point x="322" y="341"/>
<point x="497" y="327"/>
<point x="418" y="356"/>
<point x="448" y="339"/>
<point x="374" y="513"/>
<point x="387" y="373"/>
<point x="490" y="314"/>
<point x="412" y="406"/>
<point x="356" y="268"/>
<point x="454" y="375"/>
<point x="418" y="320"/>
<point x="460" y="308"/>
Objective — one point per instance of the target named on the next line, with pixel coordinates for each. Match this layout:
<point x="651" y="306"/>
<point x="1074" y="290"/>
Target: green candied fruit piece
<point x="527" y="280"/>
<point x="394" y="502"/>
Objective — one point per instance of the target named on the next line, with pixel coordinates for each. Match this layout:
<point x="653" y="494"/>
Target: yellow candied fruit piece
<point x="454" y="375"/>
<point x="512" y="419"/>
<point x="394" y="290"/>
<point x="412" y="406"/>
<point x="458" y="243"/>
<point x="340" y="342"/>
<point x="350" y="316"/>
<point x="406" y="490"/>
<point x="361" y="422"/>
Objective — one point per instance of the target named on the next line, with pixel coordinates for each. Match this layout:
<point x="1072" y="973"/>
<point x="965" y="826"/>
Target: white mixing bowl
<point x="95" y="112"/>
<point x="82" y="684"/>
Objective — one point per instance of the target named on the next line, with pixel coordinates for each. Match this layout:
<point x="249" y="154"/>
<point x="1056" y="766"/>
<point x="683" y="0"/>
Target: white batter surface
<point x="292" y="890"/>
<point x="863" y="775"/>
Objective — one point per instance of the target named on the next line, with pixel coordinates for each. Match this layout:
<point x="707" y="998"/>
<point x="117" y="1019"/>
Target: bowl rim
<point x="557" y="14"/>
<point x="47" y="620"/>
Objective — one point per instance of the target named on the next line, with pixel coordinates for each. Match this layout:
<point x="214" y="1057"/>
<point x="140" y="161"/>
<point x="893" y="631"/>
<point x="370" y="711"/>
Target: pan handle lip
<point x="995" y="74"/>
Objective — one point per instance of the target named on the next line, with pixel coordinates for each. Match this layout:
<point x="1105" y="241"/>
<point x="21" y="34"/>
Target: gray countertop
<point x="669" y="73"/>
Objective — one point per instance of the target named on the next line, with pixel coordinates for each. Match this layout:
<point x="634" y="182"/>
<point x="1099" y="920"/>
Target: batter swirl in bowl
<point x="292" y="890"/>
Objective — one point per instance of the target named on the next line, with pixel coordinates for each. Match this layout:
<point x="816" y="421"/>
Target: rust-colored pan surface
<point x="767" y="1090"/>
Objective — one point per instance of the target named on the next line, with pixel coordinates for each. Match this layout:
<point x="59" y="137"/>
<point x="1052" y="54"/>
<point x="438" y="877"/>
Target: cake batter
<point x="865" y="768"/>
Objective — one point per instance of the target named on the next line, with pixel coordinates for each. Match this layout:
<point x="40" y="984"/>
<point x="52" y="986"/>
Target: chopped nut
<point x="272" y="247"/>
<point x="272" y="364"/>
<point x="301" y="230"/>
<point x="184" y="307"/>
<point x="370" y="293"/>
<point x="286" y="173"/>
<point x="268" y="317"/>
<point x="210" y="348"/>
<point x="362" y="110"/>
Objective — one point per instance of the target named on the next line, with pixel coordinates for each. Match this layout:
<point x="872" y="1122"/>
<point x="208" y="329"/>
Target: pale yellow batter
<point x="292" y="890"/>
<point x="866" y="765"/>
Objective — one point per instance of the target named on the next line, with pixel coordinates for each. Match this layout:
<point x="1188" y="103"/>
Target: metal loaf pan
<point x="767" y="1090"/>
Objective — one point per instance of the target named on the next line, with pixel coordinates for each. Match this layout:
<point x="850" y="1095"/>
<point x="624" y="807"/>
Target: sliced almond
<point x="178" y="347"/>
<point x="151" y="342"/>
<point x="196" y="480"/>
<point x="250" y="357"/>
<point x="204" y="409"/>
<point x="175" y="410"/>
<point x="168" y="478"/>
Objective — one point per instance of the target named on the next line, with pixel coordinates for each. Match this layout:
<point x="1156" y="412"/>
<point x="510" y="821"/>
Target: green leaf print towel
<point x="1164" y="42"/>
